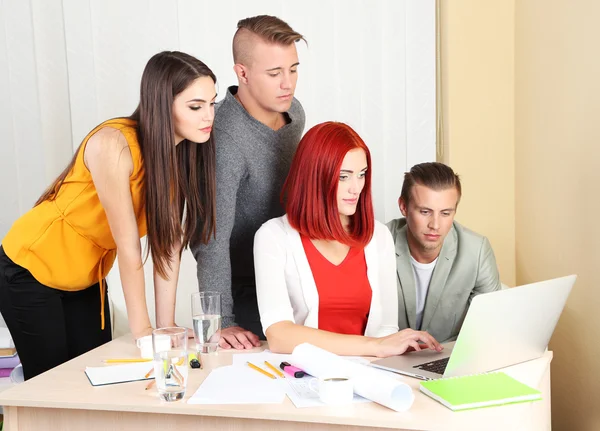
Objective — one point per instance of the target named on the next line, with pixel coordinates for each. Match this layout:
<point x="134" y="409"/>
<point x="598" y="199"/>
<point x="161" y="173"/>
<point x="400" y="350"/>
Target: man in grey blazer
<point x="441" y="265"/>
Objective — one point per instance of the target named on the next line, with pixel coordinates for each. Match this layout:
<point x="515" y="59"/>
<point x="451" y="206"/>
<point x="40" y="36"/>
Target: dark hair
<point x="310" y="190"/>
<point x="177" y="178"/>
<point x="268" y="28"/>
<point x="434" y="175"/>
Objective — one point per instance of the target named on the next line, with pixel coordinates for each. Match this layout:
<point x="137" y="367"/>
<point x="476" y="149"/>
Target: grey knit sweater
<point x="252" y="163"/>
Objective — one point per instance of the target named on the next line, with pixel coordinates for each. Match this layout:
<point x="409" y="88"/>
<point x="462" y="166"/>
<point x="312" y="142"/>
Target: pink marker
<point x="291" y="370"/>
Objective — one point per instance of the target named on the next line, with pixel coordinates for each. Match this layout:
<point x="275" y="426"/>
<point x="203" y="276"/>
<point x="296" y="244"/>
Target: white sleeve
<point x="269" y="266"/>
<point x="387" y="282"/>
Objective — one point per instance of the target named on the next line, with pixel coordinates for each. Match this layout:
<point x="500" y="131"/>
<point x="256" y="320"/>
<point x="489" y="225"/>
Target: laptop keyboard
<point x="437" y="367"/>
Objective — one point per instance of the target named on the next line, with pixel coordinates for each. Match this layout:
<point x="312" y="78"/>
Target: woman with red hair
<point x="326" y="271"/>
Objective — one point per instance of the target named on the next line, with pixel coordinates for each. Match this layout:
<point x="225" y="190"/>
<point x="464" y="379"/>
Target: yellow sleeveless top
<point x="66" y="243"/>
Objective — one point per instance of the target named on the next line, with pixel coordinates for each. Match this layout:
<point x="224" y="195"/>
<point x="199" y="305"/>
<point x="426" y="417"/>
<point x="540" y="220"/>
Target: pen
<point x="279" y="373"/>
<point x="111" y="361"/>
<point x="260" y="370"/>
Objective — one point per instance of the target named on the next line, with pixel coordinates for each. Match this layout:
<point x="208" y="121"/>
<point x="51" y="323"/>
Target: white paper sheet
<point x="235" y="384"/>
<point x="368" y="383"/>
<point x="111" y="374"/>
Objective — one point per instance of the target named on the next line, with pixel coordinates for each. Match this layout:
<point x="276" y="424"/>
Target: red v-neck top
<point x="344" y="290"/>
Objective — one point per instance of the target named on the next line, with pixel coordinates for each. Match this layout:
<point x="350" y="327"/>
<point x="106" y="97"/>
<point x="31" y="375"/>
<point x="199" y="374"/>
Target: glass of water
<point x="206" y="314"/>
<point x="170" y="362"/>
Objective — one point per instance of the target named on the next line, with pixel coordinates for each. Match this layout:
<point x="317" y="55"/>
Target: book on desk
<point x="479" y="390"/>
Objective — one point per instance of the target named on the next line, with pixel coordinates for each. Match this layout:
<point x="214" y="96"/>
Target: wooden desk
<point x="63" y="399"/>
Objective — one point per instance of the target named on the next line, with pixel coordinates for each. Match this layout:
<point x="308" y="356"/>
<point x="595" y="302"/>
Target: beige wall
<point x="521" y="94"/>
<point x="478" y="110"/>
<point x="557" y="143"/>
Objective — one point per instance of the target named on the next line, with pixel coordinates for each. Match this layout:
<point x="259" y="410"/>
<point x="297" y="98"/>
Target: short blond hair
<point x="268" y="28"/>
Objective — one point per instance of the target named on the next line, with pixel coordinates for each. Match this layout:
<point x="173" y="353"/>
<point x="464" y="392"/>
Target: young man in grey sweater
<point x="257" y="128"/>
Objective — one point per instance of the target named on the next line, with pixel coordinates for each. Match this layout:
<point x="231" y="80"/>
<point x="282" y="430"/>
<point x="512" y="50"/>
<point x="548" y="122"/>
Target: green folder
<point x="479" y="390"/>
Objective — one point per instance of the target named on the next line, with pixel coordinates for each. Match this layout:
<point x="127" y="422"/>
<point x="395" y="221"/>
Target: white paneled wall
<point x="67" y="65"/>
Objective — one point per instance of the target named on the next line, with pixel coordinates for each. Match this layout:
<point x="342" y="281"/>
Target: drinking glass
<point x="170" y="362"/>
<point x="206" y="315"/>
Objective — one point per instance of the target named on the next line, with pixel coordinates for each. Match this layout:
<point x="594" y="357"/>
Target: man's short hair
<point x="268" y="28"/>
<point x="434" y="175"/>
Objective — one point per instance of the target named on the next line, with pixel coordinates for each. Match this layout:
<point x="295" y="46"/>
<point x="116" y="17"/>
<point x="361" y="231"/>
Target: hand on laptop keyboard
<point x="400" y="342"/>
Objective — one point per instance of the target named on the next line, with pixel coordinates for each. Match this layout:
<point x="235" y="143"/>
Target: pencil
<point x="111" y="361"/>
<point x="149" y="385"/>
<point x="149" y="373"/>
<point x="260" y="370"/>
<point x="279" y="373"/>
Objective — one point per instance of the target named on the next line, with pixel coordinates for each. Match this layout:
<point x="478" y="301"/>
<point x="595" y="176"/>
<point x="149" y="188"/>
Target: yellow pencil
<point x="149" y="373"/>
<point x="112" y="361"/>
<point x="150" y="385"/>
<point x="260" y="370"/>
<point x="279" y="373"/>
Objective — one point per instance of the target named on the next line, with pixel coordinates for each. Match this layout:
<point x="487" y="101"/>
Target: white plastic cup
<point x="145" y="345"/>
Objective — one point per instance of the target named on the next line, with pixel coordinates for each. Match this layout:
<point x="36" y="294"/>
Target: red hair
<point x="310" y="191"/>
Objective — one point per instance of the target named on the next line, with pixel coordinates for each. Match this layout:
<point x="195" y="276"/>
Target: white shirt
<point x="286" y="289"/>
<point x="423" y="272"/>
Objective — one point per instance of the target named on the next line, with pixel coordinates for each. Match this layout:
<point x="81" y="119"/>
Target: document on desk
<point x="236" y="384"/>
<point x="108" y="375"/>
<point x="368" y="383"/>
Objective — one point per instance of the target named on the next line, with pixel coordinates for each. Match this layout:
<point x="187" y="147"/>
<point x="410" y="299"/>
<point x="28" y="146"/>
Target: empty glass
<point x="206" y="314"/>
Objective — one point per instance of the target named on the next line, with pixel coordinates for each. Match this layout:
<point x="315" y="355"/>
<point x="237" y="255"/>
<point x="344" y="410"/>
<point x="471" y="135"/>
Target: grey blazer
<point x="465" y="268"/>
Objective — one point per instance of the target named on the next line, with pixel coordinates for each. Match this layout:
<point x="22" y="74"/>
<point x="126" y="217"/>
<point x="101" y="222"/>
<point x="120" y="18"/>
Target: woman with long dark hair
<point x="326" y="271"/>
<point x="153" y="174"/>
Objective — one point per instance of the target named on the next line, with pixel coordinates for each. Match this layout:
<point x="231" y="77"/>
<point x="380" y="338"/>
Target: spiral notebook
<point x="479" y="390"/>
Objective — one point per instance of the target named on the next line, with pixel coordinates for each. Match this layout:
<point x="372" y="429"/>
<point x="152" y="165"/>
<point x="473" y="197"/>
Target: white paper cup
<point x="145" y="346"/>
<point x="333" y="390"/>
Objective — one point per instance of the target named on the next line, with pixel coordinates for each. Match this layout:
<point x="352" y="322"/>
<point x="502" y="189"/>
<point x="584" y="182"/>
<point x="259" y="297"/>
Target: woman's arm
<point x="108" y="159"/>
<point x="283" y="337"/>
<point x="165" y="291"/>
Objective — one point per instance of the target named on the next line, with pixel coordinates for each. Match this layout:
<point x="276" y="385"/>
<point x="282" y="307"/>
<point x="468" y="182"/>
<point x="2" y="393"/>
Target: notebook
<point x="479" y="390"/>
<point x="109" y="375"/>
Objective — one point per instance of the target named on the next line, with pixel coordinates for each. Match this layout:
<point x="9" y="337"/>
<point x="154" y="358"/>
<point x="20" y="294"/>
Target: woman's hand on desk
<point x="400" y="342"/>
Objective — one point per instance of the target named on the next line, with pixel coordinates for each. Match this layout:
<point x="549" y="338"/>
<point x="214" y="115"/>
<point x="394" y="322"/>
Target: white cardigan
<point x="285" y="286"/>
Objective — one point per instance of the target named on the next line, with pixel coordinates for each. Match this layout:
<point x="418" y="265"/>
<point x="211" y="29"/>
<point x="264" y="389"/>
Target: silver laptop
<point x="500" y="329"/>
